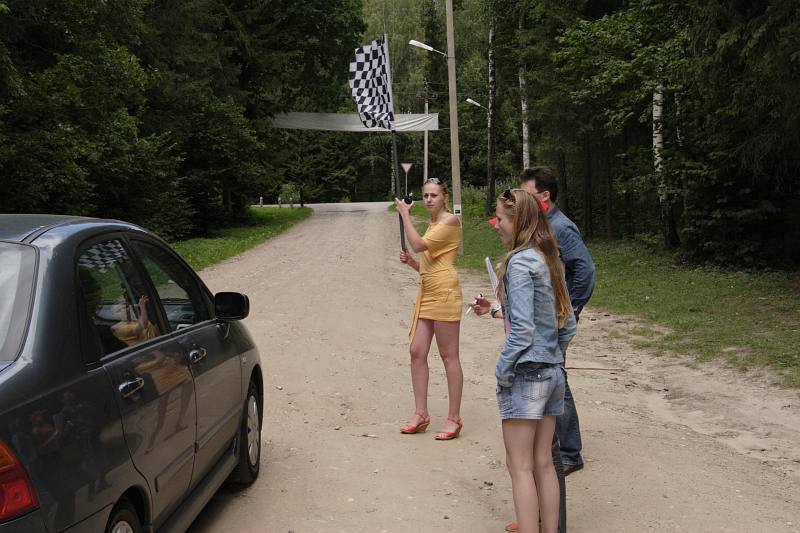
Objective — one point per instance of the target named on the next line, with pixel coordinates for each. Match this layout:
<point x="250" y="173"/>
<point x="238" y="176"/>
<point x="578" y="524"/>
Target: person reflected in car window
<point x="129" y="329"/>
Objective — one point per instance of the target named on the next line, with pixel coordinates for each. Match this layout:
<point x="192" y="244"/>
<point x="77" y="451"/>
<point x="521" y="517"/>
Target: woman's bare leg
<point x="420" y="346"/>
<point x="447" y="334"/>
<point x="545" y="474"/>
<point x="519" y="437"/>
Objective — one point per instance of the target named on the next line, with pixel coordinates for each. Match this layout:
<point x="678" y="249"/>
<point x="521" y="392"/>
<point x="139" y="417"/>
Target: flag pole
<point x="396" y="172"/>
<point x="395" y="159"/>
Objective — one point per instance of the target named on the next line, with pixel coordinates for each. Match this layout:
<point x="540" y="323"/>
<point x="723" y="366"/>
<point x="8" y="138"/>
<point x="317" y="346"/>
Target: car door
<point x="212" y="354"/>
<point x="148" y="369"/>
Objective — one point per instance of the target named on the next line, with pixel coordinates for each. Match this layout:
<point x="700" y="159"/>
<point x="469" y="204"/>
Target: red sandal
<point x="450" y="435"/>
<point x="410" y="429"/>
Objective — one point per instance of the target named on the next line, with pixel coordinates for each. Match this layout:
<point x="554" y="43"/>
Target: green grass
<point x="749" y="318"/>
<point x="224" y="243"/>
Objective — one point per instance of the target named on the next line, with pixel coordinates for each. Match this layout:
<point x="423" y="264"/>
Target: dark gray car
<point x="128" y="392"/>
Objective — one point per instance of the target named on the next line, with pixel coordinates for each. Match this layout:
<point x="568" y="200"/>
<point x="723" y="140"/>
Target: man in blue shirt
<point x="580" y="273"/>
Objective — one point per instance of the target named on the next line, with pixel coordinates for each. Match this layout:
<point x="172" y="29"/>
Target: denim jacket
<point x="534" y="335"/>
<point x="578" y="264"/>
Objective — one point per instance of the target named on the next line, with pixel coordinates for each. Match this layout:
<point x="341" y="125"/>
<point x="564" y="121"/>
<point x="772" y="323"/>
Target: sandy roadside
<point x="668" y="447"/>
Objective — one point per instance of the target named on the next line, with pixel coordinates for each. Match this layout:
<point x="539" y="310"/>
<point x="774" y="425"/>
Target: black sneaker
<point x="568" y="468"/>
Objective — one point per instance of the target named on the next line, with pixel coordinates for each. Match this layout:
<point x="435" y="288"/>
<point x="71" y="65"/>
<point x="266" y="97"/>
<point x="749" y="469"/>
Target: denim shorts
<point x="535" y="393"/>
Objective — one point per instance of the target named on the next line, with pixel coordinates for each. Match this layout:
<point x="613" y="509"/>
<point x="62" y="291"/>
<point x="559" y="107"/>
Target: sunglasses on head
<point x="435" y="181"/>
<point x="508" y="194"/>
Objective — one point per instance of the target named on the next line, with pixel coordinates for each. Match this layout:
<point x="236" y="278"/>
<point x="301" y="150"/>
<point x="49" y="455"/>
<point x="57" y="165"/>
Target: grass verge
<point x="751" y="318"/>
<point x="221" y="244"/>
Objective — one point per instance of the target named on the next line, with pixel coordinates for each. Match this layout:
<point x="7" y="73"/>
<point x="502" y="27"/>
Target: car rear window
<point x="17" y="263"/>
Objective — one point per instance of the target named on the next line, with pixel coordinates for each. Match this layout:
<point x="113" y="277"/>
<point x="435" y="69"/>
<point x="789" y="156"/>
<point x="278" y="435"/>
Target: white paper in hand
<point x="492" y="275"/>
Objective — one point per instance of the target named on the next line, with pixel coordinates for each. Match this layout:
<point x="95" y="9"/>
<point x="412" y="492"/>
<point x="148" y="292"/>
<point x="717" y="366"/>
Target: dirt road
<point x="668" y="447"/>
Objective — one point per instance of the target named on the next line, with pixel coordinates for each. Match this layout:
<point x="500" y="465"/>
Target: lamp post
<point x="428" y="48"/>
<point x="490" y="156"/>
<point x="455" y="160"/>
<point x="473" y="102"/>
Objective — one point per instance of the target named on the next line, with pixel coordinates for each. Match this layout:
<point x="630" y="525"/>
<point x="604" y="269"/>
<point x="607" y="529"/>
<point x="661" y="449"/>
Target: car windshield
<point x="16" y="283"/>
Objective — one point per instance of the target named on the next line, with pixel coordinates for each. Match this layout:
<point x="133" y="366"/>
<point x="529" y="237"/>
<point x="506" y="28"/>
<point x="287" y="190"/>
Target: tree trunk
<point x="587" y="189"/>
<point x="668" y="225"/>
<point x="523" y="97"/>
<point x="490" y="164"/>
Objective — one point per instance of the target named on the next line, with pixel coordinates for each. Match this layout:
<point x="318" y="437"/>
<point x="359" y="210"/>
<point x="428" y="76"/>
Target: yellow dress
<point x="439" y="296"/>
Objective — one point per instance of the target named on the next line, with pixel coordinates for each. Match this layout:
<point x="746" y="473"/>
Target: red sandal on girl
<point x="450" y="435"/>
<point x="410" y="429"/>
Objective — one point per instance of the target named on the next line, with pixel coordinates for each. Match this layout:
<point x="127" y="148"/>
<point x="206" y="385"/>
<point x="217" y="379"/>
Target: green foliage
<point x="740" y="134"/>
<point x="158" y="112"/>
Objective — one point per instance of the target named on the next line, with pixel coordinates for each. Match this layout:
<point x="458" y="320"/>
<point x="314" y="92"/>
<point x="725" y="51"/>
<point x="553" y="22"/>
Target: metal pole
<point x="455" y="160"/>
<point x="425" y="150"/>
<point x="490" y="126"/>
<point x="396" y="180"/>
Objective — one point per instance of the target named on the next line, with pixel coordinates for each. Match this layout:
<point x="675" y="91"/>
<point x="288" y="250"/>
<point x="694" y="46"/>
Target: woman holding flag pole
<point x="437" y="311"/>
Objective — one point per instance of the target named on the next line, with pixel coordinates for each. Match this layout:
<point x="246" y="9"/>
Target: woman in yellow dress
<point x="438" y="307"/>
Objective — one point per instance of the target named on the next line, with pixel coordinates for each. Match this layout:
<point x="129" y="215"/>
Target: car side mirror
<point x="231" y="305"/>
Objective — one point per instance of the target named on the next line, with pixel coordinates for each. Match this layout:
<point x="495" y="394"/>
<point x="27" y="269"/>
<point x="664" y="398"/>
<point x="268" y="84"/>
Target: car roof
<point x="26" y="227"/>
<point x="17" y="227"/>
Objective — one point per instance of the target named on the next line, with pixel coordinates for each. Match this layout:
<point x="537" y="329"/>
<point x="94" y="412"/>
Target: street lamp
<point x="473" y="102"/>
<point x="424" y="46"/>
<point x="489" y="156"/>
<point x="455" y="160"/>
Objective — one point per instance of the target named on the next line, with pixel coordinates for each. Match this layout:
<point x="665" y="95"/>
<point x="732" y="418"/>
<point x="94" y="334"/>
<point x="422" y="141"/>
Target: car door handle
<point x="197" y="355"/>
<point x="131" y="387"/>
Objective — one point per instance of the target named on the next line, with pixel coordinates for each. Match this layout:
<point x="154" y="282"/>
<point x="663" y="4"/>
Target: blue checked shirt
<point x="578" y="265"/>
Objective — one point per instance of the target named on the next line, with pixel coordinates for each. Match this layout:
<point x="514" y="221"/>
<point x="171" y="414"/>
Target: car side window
<point x="182" y="297"/>
<point x="116" y="297"/>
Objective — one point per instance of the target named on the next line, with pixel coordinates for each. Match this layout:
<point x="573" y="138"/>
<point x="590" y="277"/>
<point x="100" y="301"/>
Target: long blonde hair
<point x="531" y="229"/>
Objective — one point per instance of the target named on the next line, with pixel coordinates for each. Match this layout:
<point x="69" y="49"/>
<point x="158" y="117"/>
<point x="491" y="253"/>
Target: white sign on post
<point x="406" y="168"/>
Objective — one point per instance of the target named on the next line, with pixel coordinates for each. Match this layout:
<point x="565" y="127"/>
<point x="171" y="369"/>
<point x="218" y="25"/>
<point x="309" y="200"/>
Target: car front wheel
<point x="249" y="439"/>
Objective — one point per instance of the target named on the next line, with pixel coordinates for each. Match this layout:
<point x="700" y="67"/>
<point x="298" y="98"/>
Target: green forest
<point x="159" y="112"/>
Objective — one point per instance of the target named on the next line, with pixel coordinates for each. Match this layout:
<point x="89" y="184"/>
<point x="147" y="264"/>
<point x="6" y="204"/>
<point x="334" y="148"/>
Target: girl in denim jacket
<point x="529" y="371"/>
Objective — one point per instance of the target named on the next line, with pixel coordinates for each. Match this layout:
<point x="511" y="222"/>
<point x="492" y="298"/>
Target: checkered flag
<point x="371" y="84"/>
<point x="103" y="256"/>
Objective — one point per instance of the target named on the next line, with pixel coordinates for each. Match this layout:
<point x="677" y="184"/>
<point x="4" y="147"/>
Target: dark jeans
<point x="568" y="430"/>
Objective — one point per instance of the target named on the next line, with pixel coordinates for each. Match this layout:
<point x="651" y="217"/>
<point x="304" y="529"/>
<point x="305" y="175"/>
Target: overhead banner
<point x="352" y="122"/>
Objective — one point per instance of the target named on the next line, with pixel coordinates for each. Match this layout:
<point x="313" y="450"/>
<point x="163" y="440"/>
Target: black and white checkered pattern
<point x="103" y="256"/>
<point x="371" y="84"/>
